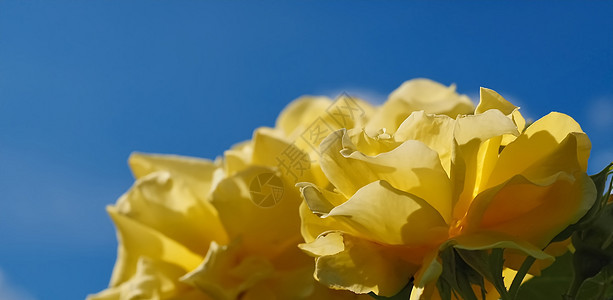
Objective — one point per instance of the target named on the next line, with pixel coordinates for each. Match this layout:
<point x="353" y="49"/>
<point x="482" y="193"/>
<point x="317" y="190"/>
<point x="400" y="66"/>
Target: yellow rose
<point x="415" y="95"/>
<point x="165" y="224"/>
<point x="431" y="293"/>
<point x="262" y="260"/>
<point x="194" y="229"/>
<point x="258" y="202"/>
<point x="473" y="182"/>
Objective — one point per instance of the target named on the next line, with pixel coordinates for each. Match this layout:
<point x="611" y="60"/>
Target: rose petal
<point x="384" y="214"/>
<point x="363" y="267"/>
<point x="411" y="167"/>
<point x="415" y="95"/>
<point x="137" y="240"/>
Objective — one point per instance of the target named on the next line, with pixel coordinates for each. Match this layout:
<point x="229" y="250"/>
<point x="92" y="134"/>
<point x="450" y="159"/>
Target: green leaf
<point x="594" y="250"/>
<point x="404" y="294"/>
<point x="553" y="282"/>
<point x="599" y="287"/>
<point x="600" y="180"/>
<point x="594" y="243"/>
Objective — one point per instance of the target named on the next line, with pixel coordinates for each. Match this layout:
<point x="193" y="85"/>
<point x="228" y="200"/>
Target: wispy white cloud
<point x="9" y="291"/>
<point x="600" y="113"/>
<point x="372" y="96"/>
<point x="599" y="122"/>
<point x="474" y="97"/>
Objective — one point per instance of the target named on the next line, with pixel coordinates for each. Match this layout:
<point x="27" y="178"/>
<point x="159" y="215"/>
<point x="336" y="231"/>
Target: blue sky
<point x="84" y="83"/>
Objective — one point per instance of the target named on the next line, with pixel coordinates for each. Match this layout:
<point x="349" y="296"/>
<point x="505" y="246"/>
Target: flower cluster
<point x="345" y="200"/>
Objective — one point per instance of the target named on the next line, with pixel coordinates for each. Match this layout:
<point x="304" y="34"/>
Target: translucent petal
<point x="225" y="272"/>
<point x="415" y="95"/>
<point x="491" y="100"/>
<point x="536" y="146"/>
<point x="238" y="157"/>
<point x="153" y="279"/>
<point x="167" y="204"/>
<point x="295" y="163"/>
<point x="384" y="214"/>
<point x="411" y="167"/>
<point x="137" y="240"/>
<point x="300" y="113"/>
<point x="477" y="140"/>
<point x="198" y="174"/>
<point x="533" y="212"/>
<point x="363" y="267"/>
<point x="326" y="244"/>
<point x="436" y="131"/>
<point x="264" y="229"/>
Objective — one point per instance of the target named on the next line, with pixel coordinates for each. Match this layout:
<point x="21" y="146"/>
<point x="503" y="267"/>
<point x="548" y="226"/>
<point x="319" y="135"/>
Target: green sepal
<point x="458" y="277"/>
<point x="404" y="294"/>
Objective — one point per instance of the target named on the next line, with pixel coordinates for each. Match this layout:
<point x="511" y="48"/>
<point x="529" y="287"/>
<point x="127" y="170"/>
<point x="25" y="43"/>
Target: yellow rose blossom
<point x="165" y="224"/>
<point x="431" y="293"/>
<point x="474" y="182"/>
<point x="190" y="229"/>
<point x="415" y="95"/>
<point x="262" y="260"/>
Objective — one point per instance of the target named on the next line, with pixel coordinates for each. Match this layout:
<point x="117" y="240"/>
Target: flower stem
<point x="571" y="294"/>
<point x="519" y="277"/>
